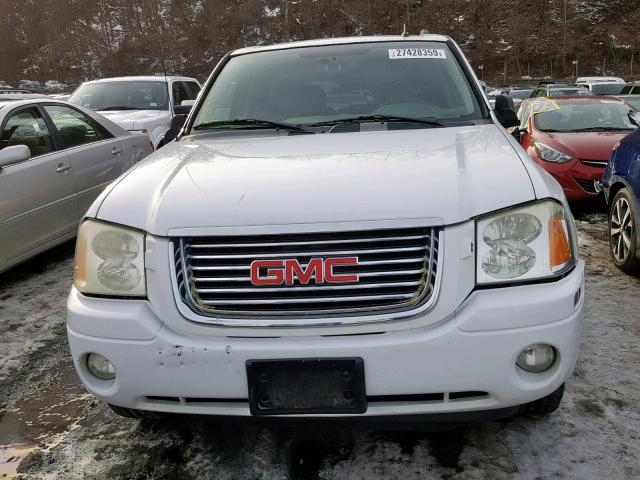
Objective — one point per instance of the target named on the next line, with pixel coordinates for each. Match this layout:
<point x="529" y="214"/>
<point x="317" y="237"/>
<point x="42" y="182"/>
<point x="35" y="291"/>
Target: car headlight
<point x="549" y="154"/>
<point x="109" y="260"/>
<point x="526" y="243"/>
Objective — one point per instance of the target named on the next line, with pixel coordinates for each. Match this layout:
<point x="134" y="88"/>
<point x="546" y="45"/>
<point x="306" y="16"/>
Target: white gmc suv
<point x="342" y="228"/>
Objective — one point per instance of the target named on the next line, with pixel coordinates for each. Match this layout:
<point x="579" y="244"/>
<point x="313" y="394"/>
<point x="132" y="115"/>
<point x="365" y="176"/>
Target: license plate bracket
<point x="306" y="386"/>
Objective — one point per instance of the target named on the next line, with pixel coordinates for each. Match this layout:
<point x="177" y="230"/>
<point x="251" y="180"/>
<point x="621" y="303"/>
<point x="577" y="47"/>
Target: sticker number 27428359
<point x="400" y="53"/>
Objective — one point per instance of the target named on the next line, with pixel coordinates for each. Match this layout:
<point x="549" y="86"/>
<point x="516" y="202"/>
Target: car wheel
<point x="545" y="405"/>
<point x="623" y="233"/>
<point x="137" y="414"/>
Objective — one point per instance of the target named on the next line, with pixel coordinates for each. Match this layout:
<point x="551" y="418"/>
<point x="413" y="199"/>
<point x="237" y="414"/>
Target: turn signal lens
<point x="559" y="249"/>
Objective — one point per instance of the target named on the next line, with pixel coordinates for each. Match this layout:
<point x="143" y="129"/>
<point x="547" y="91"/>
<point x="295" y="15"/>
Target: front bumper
<point x="454" y="361"/>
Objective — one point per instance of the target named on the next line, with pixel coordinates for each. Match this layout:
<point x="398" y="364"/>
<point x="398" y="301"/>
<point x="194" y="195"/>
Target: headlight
<point x="549" y="154"/>
<point x="109" y="260"/>
<point x="526" y="243"/>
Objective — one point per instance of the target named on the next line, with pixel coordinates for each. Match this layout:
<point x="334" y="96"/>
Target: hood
<point x="586" y="145"/>
<point x="135" y="119"/>
<point x="444" y="175"/>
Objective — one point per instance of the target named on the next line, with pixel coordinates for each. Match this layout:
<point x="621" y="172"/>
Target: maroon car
<point x="572" y="138"/>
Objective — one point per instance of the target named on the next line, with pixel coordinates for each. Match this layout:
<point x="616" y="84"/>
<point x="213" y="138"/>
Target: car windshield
<point x="567" y="92"/>
<point x="122" y="95"/>
<point x="304" y="86"/>
<point x="607" y="88"/>
<point x="521" y="94"/>
<point x="633" y="101"/>
<point x="605" y="115"/>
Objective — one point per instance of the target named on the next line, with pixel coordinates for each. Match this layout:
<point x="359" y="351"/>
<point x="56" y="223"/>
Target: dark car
<point x="621" y="185"/>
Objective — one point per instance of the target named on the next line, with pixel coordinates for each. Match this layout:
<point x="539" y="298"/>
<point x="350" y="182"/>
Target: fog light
<point x="537" y="358"/>
<point x="100" y="367"/>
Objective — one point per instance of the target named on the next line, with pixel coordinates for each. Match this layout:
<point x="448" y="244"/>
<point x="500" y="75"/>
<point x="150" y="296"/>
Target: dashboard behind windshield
<point x="303" y="86"/>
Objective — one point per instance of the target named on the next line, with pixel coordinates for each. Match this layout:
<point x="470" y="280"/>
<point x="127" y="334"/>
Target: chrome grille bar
<point x="396" y="270"/>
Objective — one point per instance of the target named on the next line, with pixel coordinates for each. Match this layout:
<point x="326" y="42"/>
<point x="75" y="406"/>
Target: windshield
<point x="607" y="88"/>
<point x="583" y="116"/>
<point x="568" y="92"/>
<point x="136" y="95"/>
<point x="633" y="101"/>
<point x="304" y="86"/>
<point x="521" y="94"/>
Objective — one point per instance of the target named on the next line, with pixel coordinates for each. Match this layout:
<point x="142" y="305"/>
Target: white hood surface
<point x="135" y="119"/>
<point x="445" y="174"/>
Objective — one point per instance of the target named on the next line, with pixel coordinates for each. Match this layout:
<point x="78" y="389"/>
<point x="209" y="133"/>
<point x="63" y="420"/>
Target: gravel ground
<point x="51" y="428"/>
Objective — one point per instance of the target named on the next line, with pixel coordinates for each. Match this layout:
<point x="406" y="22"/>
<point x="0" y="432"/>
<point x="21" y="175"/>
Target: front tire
<point x="623" y="232"/>
<point x="545" y="405"/>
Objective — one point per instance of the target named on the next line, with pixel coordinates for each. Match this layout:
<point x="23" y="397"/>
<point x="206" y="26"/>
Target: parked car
<point x="632" y="100"/>
<point x="598" y="79"/>
<point x="518" y="96"/>
<point x="55" y="160"/>
<point x="632" y="88"/>
<point x="308" y="246"/>
<point x="553" y="90"/>
<point x="572" y="138"/>
<point x="621" y="184"/>
<point x="12" y="94"/>
<point x="604" y="88"/>
<point x="30" y="85"/>
<point x="53" y="85"/>
<point x="139" y="104"/>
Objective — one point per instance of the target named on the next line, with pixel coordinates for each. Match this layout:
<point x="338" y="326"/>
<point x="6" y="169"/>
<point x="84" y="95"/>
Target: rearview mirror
<point x="505" y="112"/>
<point x="14" y="154"/>
<point x="187" y="103"/>
<point x="635" y="118"/>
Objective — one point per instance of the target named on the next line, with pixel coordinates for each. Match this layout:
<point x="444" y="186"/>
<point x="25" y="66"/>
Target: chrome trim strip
<point x="360" y="274"/>
<point x="248" y="267"/>
<point x="314" y="288"/>
<point x="275" y="301"/>
<point x="314" y="242"/>
<point x="306" y="254"/>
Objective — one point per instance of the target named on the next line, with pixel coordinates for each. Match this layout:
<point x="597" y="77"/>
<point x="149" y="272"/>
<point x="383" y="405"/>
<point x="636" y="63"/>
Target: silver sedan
<point x="55" y="159"/>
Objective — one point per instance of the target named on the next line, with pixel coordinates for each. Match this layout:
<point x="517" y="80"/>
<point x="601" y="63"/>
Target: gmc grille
<point x="396" y="270"/>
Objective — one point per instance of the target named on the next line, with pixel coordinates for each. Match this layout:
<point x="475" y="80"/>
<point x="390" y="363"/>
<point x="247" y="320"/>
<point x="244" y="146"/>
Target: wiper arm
<point x="602" y="129"/>
<point x="120" y="107"/>
<point x="250" y="122"/>
<point x="379" y="118"/>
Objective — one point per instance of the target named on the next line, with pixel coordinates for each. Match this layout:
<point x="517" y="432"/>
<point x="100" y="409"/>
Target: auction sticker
<point x="398" y="53"/>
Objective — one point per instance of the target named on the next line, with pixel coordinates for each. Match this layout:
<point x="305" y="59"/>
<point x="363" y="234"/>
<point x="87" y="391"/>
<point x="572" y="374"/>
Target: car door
<point x="97" y="157"/>
<point x="38" y="203"/>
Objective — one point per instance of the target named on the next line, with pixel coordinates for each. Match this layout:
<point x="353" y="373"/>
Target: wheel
<point x="137" y="414"/>
<point x="545" y="405"/>
<point x="623" y="236"/>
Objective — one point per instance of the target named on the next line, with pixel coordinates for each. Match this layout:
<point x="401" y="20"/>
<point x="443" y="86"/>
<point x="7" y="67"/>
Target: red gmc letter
<point x="329" y="276"/>
<point x="293" y="267"/>
<point x="274" y="276"/>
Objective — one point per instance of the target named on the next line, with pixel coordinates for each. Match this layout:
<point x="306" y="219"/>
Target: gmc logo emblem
<point x="278" y="272"/>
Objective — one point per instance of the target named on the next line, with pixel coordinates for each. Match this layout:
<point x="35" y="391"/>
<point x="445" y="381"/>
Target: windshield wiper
<point x="250" y="122"/>
<point x="602" y="129"/>
<point x="379" y="118"/>
<point x="120" y="107"/>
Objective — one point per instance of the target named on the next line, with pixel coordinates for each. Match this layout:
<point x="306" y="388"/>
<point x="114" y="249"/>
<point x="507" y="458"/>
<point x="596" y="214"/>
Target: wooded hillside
<point x="74" y="40"/>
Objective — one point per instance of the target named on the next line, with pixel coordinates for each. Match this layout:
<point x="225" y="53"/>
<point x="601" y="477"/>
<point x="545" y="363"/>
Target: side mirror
<point x="177" y="122"/>
<point x="635" y="118"/>
<point x="184" y="108"/>
<point x="505" y="112"/>
<point x="14" y="154"/>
